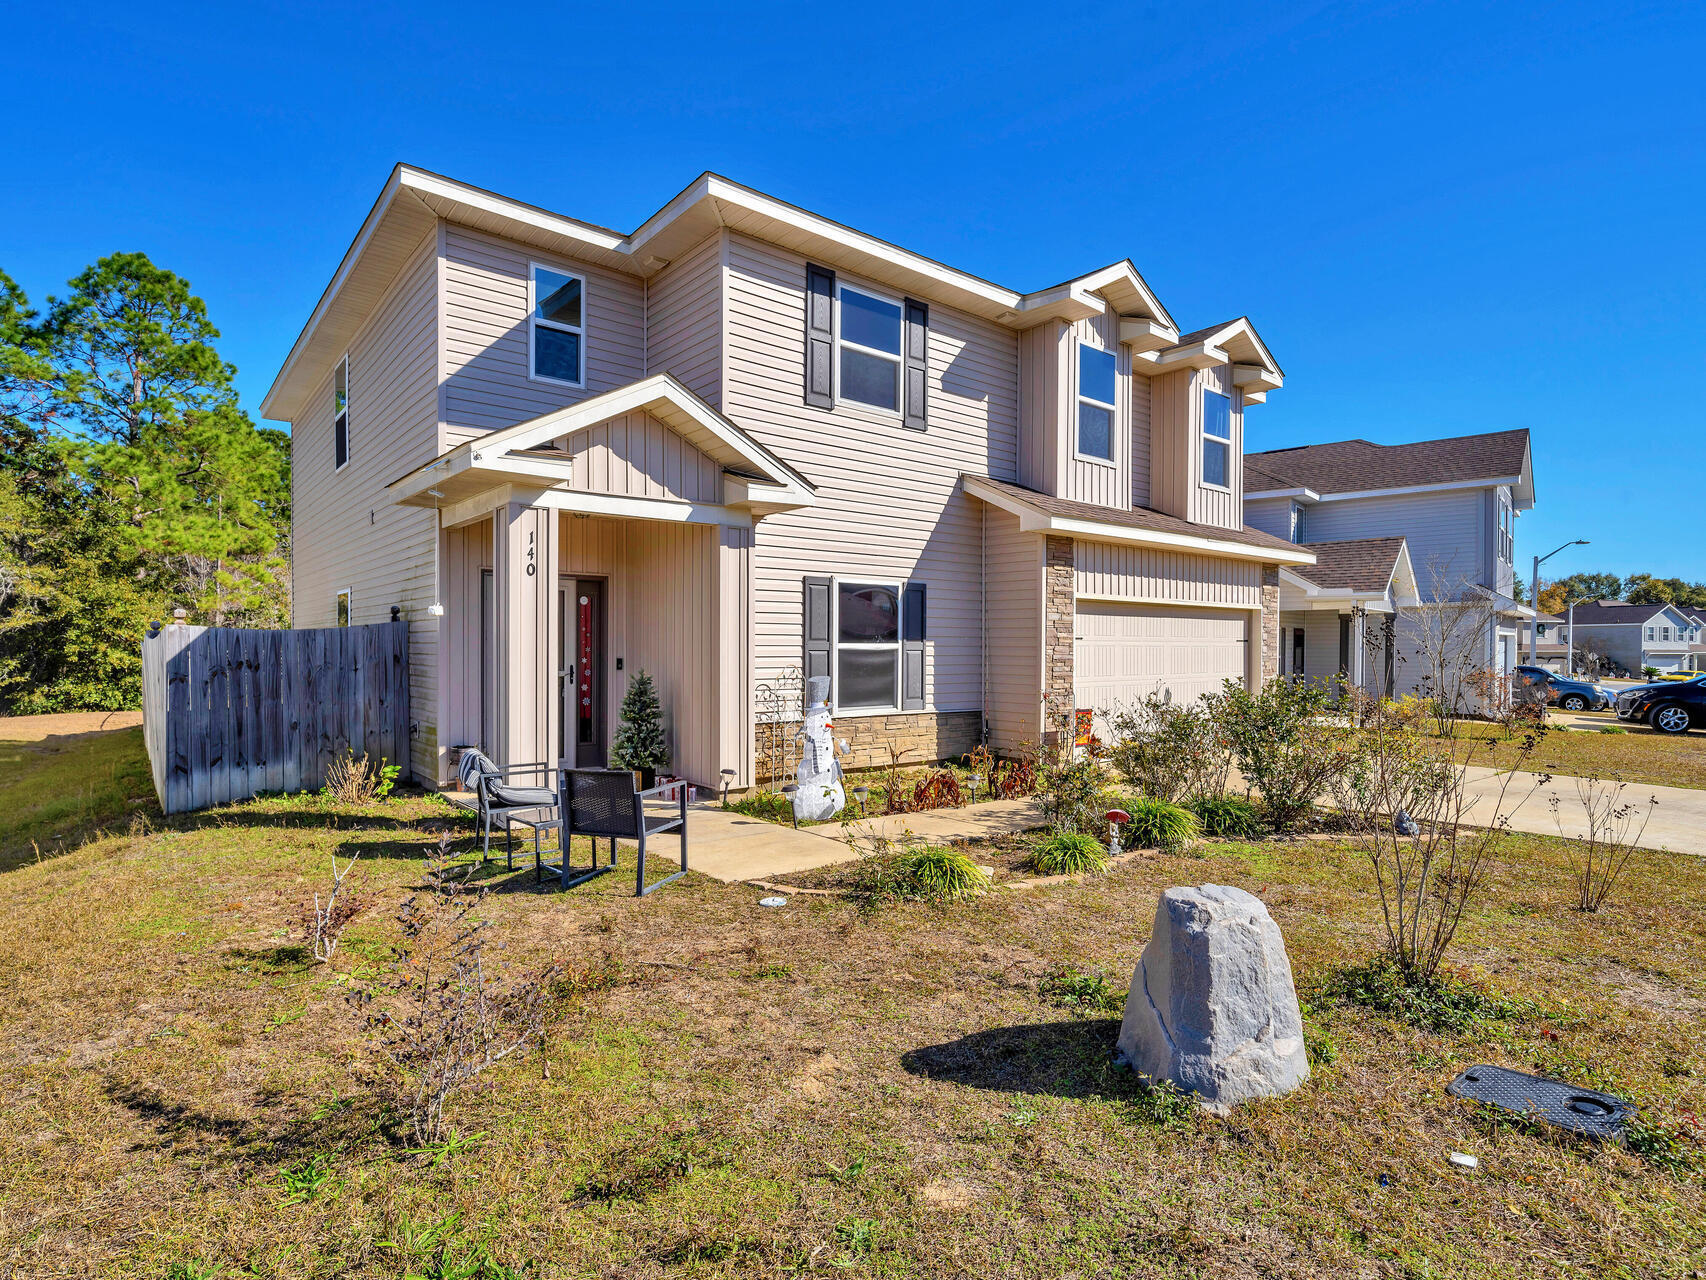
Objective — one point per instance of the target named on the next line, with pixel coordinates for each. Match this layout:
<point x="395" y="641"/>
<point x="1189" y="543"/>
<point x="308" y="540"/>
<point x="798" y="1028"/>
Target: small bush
<point x="1614" y="728"/>
<point x="944" y="874"/>
<point x="1227" y="816"/>
<point x="1281" y="747"/>
<point x="1070" y="792"/>
<point x="1067" y="853"/>
<point x="772" y="806"/>
<point x="1162" y="1104"/>
<point x="1169" y="750"/>
<point x="1156" y="824"/>
<point x="1067" y="986"/>
<point x="354" y="779"/>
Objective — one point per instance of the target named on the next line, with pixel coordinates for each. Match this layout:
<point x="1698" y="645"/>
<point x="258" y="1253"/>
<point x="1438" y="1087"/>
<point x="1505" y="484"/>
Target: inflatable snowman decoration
<point x="819" y="793"/>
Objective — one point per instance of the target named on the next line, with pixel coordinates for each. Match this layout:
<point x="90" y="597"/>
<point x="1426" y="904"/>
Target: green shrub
<point x="1070" y="792"/>
<point x="772" y="806"/>
<point x="944" y="874"/>
<point x="1613" y="728"/>
<point x="1066" y="853"/>
<point x="1228" y="816"/>
<point x="1170" y="750"/>
<point x="1281" y="747"/>
<point x="1157" y="824"/>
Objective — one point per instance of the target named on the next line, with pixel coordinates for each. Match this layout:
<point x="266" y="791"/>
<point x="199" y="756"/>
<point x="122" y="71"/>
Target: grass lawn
<point x="56" y="785"/>
<point x="740" y="1091"/>
<point x="1640" y="755"/>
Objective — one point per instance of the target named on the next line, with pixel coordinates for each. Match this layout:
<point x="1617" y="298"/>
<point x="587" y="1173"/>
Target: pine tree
<point x="639" y="740"/>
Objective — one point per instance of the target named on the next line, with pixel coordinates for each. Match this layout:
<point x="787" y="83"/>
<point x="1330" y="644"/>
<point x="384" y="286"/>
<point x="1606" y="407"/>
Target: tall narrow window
<point x="340" y="413"/>
<point x="556" y="326"/>
<point x="1216" y="439"/>
<point x="1095" y="402"/>
<point x="867" y="350"/>
<point x="343" y="607"/>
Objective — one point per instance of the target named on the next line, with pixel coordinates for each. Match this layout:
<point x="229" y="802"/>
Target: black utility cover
<point x="1584" y="1111"/>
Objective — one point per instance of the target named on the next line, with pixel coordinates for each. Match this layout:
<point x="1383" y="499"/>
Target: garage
<point x="1123" y="652"/>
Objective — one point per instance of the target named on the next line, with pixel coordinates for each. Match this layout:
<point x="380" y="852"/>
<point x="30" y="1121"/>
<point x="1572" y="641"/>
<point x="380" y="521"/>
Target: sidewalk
<point x="1678" y="823"/>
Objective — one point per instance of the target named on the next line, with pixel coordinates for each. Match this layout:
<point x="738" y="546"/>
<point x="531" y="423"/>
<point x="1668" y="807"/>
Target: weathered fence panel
<point x="228" y="713"/>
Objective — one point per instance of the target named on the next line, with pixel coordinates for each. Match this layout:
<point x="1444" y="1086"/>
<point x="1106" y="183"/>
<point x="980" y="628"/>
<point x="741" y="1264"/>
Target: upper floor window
<point x="340" y="413"/>
<point x="1652" y="633"/>
<point x="1297" y="522"/>
<point x="1664" y="633"/>
<point x="1216" y="439"/>
<point x="1507" y="530"/>
<point x="556" y="326"/>
<point x="1095" y="402"/>
<point x="867" y="349"/>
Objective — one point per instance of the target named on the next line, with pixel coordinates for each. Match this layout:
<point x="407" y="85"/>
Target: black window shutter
<point x="820" y="337"/>
<point x="814" y="659"/>
<point x="913" y="628"/>
<point x="916" y="348"/>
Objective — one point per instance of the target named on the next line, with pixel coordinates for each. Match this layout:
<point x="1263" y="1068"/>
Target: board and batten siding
<point x="889" y="507"/>
<point x="484" y="357"/>
<point x="1176" y="485"/>
<point x="1109" y="571"/>
<point x="1140" y="439"/>
<point x="1223" y="507"/>
<point x="1443" y="529"/>
<point x="1013" y="612"/>
<point x="1107" y="484"/>
<point x="345" y="530"/>
<point x="634" y="455"/>
<point x="684" y="320"/>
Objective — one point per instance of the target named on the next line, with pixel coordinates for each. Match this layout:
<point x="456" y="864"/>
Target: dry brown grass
<point x="740" y="1091"/>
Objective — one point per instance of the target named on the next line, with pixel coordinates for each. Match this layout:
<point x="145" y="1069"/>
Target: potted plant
<point x="639" y="744"/>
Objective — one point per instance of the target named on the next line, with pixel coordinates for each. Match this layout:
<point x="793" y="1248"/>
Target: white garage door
<point x="1123" y="652"/>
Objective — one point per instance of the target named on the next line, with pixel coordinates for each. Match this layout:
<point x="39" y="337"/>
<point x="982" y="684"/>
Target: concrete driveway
<point x="1677" y="823"/>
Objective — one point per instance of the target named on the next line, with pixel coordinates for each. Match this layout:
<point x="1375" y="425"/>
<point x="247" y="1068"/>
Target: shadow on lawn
<point x="1062" y="1059"/>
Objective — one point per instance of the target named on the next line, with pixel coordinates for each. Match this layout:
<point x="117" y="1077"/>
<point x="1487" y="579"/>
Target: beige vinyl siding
<point x="1111" y="571"/>
<point x="1444" y="531"/>
<point x="684" y="327"/>
<point x="634" y="455"/>
<point x="1211" y="505"/>
<point x="345" y="532"/>
<point x="661" y="609"/>
<point x="485" y="348"/>
<point x="1107" y="484"/>
<point x="1013" y="612"/>
<point x="1140" y="438"/>
<point x="889" y="507"/>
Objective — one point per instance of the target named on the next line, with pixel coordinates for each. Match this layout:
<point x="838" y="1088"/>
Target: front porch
<point x="1338" y="618"/>
<point x="590" y="544"/>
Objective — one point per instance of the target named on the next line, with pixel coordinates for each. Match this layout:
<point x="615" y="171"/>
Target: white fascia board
<point x="1388" y="493"/>
<point x="1300" y="493"/>
<point x="1198" y="355"/>
<point x="1142" y="334"/>
<point x="1253" y="379"/>
<point x="512" y="210"/>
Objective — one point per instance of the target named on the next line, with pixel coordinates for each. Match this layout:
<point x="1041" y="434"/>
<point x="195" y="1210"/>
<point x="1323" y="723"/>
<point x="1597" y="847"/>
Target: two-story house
<point x="1451" y="503"/>
<point x="1665" y="637"/>
<point x="744" y="440"/>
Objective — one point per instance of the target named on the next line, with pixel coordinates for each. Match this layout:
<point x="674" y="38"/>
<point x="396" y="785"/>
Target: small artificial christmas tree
<point x="639" y="740"/>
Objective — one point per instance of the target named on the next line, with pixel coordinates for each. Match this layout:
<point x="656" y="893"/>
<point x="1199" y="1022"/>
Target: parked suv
<point x="1668" y="707"/>
<point x="1564" y="693"/>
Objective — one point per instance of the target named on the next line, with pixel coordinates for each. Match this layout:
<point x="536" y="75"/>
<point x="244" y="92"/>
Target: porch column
<point x="528" y="634"/>
<point x="733" y="656"/>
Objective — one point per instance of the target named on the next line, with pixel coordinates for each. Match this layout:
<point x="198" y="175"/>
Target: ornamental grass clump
<point x="1067" y="853"/>
<point x="1158" y="824"/>
<point x="944" y="874"/>
<point x="1227" y="816"/>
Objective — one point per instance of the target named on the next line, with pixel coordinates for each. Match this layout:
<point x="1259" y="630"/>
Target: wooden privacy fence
<point x="229" y="713"/>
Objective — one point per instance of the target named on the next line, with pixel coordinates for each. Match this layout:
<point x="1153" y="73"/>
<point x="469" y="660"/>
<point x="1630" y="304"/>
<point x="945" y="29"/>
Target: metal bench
<point x="609" y="803"/>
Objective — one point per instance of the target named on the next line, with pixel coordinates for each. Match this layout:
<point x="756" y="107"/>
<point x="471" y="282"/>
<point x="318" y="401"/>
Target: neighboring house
<point x="1634" y="636"/>
<point x="744" y="441"/>
<point x="1338" y="616"/>
<point x="1453" y="504"/>
<point x="1554" y="642"/>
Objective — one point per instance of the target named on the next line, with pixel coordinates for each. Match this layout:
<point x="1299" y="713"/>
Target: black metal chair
<point x="610" y="803"/>
<point x="501" y="801"/>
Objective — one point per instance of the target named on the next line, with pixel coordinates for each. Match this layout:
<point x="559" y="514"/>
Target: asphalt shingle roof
<point x="1350" y="466"/>
<point x="1363" y="564"/>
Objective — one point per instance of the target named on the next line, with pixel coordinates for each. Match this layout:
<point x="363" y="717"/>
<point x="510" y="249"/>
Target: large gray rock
<point x="1212" y="1007"/>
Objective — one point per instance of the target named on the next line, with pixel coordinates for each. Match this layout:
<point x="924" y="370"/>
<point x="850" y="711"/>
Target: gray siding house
<point x="1451" y="503"/>
<point x="1634" y="636"/>
<point x="743" y="441"/>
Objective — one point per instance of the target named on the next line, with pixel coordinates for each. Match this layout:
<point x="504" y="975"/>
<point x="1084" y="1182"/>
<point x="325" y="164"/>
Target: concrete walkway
<point x="1678" y="823"/>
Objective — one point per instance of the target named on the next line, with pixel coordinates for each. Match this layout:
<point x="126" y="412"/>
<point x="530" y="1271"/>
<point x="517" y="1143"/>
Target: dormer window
<point x="556" y="326"/>
<point x="1095" y="403"/>
<point x="1216" y="439"/>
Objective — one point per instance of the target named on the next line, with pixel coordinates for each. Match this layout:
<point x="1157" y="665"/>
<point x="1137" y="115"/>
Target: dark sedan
<point x="1564" y="693"/>
<point x="1667" y="706"/>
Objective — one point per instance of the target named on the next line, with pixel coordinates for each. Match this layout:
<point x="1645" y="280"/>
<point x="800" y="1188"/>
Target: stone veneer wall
<point x="1059" y="595"/>
<point x="1270" y="622"/>
<point x="921" y="737"/>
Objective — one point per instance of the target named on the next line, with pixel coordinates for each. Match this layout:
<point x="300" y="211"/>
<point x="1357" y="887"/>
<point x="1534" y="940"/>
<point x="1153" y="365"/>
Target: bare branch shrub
<point x="1405" y="804"/>
<point x="355" y="780"/>
<point x="1615" y="827"/>
<point x="1447" y="633"/>
<point x="441" y="1016"/>
<point x="326" y="921"/>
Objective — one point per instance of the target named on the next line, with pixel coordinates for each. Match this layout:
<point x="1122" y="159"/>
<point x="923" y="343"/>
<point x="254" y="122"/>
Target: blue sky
<point x="1443" y="218"/>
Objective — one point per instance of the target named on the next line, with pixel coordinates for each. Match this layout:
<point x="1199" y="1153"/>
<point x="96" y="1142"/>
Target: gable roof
<point x="1601" y="613"/>
<point x="414" y="199"/>
<point x="1358" y="565"/>
<point x="1361" y="466"/>
<point x="1139" y="524"/>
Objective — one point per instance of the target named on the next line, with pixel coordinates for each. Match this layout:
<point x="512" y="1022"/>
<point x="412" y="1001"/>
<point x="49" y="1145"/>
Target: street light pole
<point x="1570" y="650"/>
<point x="1534" y="600"/>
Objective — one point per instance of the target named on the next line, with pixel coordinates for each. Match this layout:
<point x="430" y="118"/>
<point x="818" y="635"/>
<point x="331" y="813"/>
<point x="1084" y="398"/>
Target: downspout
<point x="983" y="620"/>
